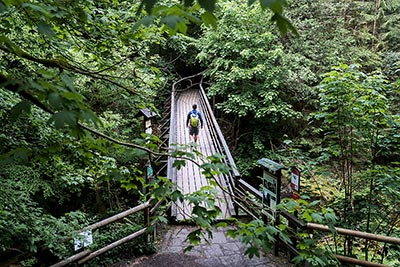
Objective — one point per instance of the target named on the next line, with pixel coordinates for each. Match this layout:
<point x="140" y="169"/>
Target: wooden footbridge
<point x="190" y="178"/>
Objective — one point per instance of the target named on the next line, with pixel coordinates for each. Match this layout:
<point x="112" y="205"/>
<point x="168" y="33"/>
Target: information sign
<point x="270" y="194"/>
<point x="295" y="183"/>
<point x="271" y="186"/>
<point x="85" y="239"/>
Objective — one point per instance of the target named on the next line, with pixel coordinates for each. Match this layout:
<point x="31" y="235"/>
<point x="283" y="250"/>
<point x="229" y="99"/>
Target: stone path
<point x="221" y="251"/>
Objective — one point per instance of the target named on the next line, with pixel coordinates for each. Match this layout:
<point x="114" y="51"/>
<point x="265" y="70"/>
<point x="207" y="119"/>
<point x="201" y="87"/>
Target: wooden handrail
<point x="112" y="245"/>
<point x="87" y="254"/>
<point x="359" y="262"/>
<point x="348" y="232"/>
<point x="72" y="258"/>
<point x="118" y="216"/>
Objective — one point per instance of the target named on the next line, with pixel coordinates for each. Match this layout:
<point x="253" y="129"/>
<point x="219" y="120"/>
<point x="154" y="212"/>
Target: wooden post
<point x="147" y="223"/>
<point x="146" y="211"/>
<point x="278" y="200"/>
<point x="272" y="176"/>
<point x="147" y="115"/>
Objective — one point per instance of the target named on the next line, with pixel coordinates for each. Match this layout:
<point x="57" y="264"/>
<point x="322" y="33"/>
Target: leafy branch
<point x="9" y="47"/>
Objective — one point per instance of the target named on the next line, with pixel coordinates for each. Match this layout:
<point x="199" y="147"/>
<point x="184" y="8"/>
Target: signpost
<point x="147" y="115"/>
<point x="272" y="176"/>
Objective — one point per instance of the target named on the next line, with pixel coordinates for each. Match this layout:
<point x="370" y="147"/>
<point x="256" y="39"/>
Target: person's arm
<point x="187" y="119"/>
<point x="201" y="119"/>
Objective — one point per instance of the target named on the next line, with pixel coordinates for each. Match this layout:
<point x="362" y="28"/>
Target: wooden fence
<point x="86" y="255"/>
<point x="249" y="193"/>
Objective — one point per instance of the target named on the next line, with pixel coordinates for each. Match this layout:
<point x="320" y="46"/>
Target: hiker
<point x="193" y="121"/>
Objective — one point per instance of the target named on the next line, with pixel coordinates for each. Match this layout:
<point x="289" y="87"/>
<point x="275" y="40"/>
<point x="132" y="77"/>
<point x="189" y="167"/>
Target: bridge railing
<point x="241" y="191"/>
<point x="219" y="142"/>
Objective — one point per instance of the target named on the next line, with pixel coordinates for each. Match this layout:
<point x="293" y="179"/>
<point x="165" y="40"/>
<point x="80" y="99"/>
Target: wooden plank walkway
<point x="189" y="178"/>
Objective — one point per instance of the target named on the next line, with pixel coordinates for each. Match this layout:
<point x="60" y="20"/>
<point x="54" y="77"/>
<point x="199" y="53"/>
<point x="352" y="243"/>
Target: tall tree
<point x="244" y="61"/>
<point x="357" y="123"/>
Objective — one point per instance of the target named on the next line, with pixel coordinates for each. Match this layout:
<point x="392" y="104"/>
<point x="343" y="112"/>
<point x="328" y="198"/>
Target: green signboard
<point x="270" y="194"/>
<point x="271" y="186"/>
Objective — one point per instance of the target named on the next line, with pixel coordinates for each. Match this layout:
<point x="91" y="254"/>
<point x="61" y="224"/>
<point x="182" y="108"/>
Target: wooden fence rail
<point x="246" y="190"/>
<point x="86" y="255"/>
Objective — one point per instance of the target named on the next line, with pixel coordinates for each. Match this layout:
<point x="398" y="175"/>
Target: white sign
<point x="295" y="181"/>
<point x="85" y="239"/>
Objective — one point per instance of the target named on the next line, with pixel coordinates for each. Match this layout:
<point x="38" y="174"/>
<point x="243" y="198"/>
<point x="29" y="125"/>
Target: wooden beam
<point x="359" y="262"/>
<point x="155" y="207"/>
<point x="113" y="245"/>
<point x="247" y="187"/>
<point x="299" y="223"/>
<point x="72" y="259"/>
<point x="343" y="231"/>
<point x="118" y="216"/>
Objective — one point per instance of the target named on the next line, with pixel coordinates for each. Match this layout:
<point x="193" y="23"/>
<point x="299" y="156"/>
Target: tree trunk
<point x="101" y="207"/>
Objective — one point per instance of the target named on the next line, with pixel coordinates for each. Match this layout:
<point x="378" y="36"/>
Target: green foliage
<point x="204" y="211"/>
<point x="237" y="60"/>
<point x="42" y="168"/>
<point x="356" y="122"/>
<point x="177" y="16"/>
<point x="63" y="81"/>
<point x="258" y="236"/>
<point x="244" y="63"/>
<point x="352" y="106"/>
<point x="313" y="247"/>
<point x="27" y="227"/>
<point x="356" y="113"/>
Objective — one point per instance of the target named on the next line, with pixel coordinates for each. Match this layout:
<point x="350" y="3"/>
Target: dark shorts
<point x="193" y="130"/>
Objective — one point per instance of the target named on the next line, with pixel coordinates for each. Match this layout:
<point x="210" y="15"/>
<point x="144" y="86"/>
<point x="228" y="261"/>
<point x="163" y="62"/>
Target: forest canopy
<point x="314" y="84"/>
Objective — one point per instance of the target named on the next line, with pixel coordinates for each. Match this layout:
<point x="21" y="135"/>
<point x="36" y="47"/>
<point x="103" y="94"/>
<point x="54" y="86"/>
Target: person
<point x="194" y="120"/>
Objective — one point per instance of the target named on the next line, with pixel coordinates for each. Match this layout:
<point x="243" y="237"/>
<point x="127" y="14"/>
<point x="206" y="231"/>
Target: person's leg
<point x="195" y="134"/>
<point x="191" y="133"/>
